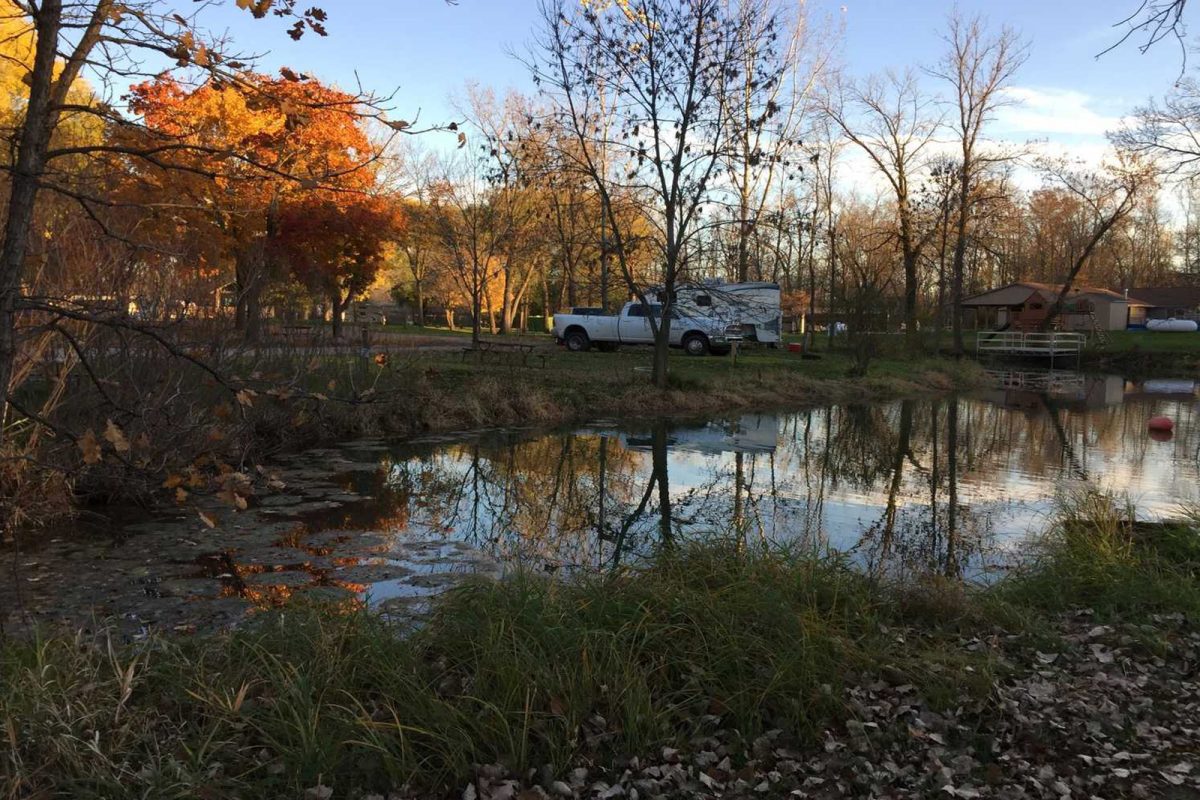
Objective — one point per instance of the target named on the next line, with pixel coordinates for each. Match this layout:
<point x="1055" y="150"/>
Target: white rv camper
<point x="754" y="306"/>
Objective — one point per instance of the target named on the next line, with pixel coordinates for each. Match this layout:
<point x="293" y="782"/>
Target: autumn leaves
<point x="278" y="177"/>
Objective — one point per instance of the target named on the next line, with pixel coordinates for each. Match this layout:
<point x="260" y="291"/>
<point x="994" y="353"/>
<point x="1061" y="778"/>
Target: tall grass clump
<point x="1097" y="555"/>
<point x="525" y="672"/>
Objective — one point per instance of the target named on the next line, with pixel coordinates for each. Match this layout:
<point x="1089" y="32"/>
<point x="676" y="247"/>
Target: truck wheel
<point x="695" y="344"/>
<point x="577" y="341"/>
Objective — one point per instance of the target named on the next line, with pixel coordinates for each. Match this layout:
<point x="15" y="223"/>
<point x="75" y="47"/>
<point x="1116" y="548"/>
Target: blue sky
<point x="426" y="51"/>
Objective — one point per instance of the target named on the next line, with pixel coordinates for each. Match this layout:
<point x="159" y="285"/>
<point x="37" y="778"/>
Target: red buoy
<point x="1161" y="424"/>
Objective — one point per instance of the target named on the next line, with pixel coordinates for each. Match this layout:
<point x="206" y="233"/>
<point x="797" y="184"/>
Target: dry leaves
<point x="1099" y="717"/>
<point x="116" y="437"/>
<point x="89" y="445"/>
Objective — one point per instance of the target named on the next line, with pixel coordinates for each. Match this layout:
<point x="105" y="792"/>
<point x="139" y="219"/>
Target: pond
<point x="953" y="485"/>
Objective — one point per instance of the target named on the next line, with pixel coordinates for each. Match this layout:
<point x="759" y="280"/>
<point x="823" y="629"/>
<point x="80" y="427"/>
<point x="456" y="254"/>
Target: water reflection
<point x="952" y="486"/>
<point x="946" y="485"/>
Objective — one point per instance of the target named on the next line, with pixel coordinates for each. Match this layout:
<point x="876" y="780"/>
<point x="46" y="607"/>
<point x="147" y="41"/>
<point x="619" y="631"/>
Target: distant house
<point x="1165" y="302"/>
<point x="1025" y="305"/>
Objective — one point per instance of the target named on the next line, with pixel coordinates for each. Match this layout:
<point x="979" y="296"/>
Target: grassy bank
<point x="158" y="417"/>
<point x="744" y="661"/>
<point x="445" y="392"/>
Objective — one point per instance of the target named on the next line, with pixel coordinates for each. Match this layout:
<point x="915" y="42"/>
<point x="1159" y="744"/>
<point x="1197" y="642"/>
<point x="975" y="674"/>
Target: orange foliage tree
<point x="239" y="153"/>
<point x="335" y="246"/>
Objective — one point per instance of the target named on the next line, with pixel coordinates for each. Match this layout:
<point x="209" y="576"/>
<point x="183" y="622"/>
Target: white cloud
<point x="1049" y="112"/>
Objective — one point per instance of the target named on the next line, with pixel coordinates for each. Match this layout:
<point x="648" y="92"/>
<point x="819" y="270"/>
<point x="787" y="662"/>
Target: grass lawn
<point x="531" y="677"/>
<point x="1152" y="341"/>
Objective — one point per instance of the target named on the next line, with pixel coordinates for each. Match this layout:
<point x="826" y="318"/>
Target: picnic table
<point x="294" y="333"/>
<point x="506" y="352"/>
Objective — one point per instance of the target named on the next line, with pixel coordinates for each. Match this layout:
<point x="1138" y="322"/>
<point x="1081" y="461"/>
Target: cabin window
<point x="1035" y="306"/>
<point x="703" y="300"/>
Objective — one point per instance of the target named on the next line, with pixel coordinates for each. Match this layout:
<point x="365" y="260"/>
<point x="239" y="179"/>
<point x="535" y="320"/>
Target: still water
<point x="957" y="486"/>
<point x="951" y="485"/>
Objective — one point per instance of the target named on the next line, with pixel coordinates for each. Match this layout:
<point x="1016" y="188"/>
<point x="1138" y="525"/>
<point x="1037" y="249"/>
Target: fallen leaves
<point x="1096" y="717"/>
<point x="116" y="437"/>
<point x="89" y="446"/>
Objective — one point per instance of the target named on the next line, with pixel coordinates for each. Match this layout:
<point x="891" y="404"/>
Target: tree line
<point x="664" y="143"/>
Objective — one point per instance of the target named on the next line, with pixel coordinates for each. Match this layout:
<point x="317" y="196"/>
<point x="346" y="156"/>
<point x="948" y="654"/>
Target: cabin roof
<point x="1167" y="296"/>
<point x="1019" y="292"/>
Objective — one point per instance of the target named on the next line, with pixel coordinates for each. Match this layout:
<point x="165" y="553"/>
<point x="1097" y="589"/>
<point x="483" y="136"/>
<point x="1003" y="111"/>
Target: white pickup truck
<point x="697" y="335"/>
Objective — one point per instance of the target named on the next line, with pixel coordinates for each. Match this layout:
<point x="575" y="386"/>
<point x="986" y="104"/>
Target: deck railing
<point x="1043" y="382"/>
<point x="1020" y="343"/>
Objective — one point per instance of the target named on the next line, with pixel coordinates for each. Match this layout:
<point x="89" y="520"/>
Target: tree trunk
<point x="420" y="298"/>
<point x="1098" y="234"/>
<point x="912" y="335"/>
<point x="254" y="313"/>
<point x="829" y="321"/>
<point x="476" y="311"/>
<point x="940" y="319"/>
<point x="336" y="305"/>
<point x="952" y="555"/>
<point x="662" y="349"/>
<point x="903" y="437"/>
<point x="603" y="266"/>
<point x="26" y="176"/>
<point x="506" y="305"/>
<point x="659" y="467"/>
<point x="960" y="251"/>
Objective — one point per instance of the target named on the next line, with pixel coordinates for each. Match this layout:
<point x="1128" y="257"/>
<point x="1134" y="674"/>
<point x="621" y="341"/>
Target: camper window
<point x="639" y="310"/>
<point x="703" y="300"/>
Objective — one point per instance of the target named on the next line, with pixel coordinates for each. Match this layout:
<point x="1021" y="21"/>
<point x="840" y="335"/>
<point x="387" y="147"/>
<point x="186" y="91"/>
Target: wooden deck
<point x="1019" y="344"/>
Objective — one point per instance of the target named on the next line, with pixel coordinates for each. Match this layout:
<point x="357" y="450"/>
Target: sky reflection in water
<point x="948" y="485"/>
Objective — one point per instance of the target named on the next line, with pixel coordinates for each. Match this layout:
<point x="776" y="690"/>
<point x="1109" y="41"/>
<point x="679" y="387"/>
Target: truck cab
<point x="698" y="335"/>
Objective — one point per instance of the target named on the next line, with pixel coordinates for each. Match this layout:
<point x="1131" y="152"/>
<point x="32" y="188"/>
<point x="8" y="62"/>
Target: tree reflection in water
<point x="930" y="486"/>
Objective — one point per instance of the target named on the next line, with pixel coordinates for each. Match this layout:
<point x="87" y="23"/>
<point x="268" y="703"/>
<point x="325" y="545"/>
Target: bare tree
<point x="1156" y="20"/>
<point x="414" y="177"/>
<point x="1168" y="131"/>
<point x="768" y="117"/>
<point x="978" y="66"/>
<point x="1106" y="197"/>
<point x="514" y="153"/>
<point x="663" y="64"/>
<point x="893" y="122"/>
<point x="827" y="146"/>
<point x="472" y="232"/>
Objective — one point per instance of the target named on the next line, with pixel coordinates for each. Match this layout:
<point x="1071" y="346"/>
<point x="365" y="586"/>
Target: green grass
<point x="427" y="330"/>
<point x="535" y="671"/>
<point x="1096" y="557"/>
<point x="517" y="673"/>
<point x="1152" y="342"/>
